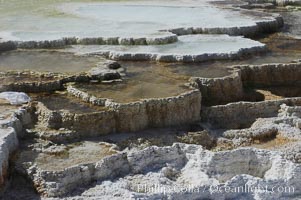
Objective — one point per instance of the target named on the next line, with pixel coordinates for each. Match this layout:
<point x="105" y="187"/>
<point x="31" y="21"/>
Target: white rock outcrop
<point x="178" y="172"/>
<point x="11" y="127"/>
<point x="8" y="144"/>
<point x="15" y="98"/>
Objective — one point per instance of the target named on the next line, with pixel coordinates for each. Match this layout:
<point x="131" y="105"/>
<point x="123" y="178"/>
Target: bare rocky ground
<point x="230" y="137"/>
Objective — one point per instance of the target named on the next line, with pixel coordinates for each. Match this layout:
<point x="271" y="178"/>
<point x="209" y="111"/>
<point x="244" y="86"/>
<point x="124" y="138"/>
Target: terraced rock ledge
<point x="240" y="85"/>
<point x="78" y="121"/>
<point x="165" y="117"/>
<point x="119" y="117"/>
<point x="152" y="40"/>
<point x="171" y="167"/>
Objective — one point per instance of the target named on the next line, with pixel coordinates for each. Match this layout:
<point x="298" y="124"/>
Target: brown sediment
<point x="272" y="93"/>
<point x="274" y="143"/>
<point x="63" y="101"/>
<point x="73" y="154"/>
<point x="46" y="61"/>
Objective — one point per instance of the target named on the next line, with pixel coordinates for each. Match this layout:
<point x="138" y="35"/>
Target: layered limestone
<point x="37" y="82"/>
<point x="93" y="170"/>
<point x="271" y="75"/>
<point x="258" y="6"/>
<point x="190" y="48"/>
<point x="27" y="81"/>
<point x="119" y="117"/>
<point x="266" y="26"/>
<point x="277" y="2"/>
<point x="283" y="128"/>
<point x="83" y="124"/>
<point x="243" y="114"/>
<point x="12" y="124"/>
<point x="127" y="174"/>
<point x="177" y="166"/>
<point x="60" y="43"/>
<point x="233" y="88"/>
<point x="8" y="144"/>
<point x="220" y="90"/>
<point x="131" y="175"/>
<point x="188" y="58"/>
<point x="7" y="45"/>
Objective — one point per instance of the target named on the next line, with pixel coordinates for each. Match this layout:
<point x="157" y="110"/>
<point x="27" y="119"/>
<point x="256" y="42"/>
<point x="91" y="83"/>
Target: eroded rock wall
<point x="38" y="82"/>
<point x="7" y="46"/>
<point x="219" y="90"/>
<point x="48" y="44"/>
<point x="267" y="26"/>
<point x="8" y="144"/>
<point x="11" y="128"/>
<point x="243" y="114"/>
<point x="232" y="88"/>
<point x="88" y="125"/>
<point x="59" y="183"/>
<point x="155" y="113"/>
<point x="118" y="117"/>
<point x="271" y="75"/>
<point x="177" y="166"/>
<point x="171" y="57"/>
<point x="277" y="2"/>
<point x="33" y="87"/>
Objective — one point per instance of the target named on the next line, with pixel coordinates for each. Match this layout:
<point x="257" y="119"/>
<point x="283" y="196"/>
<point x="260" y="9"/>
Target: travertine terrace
<point x="150" y="100"/>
